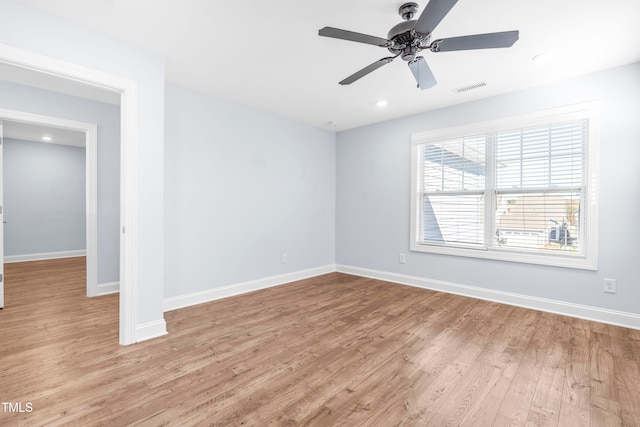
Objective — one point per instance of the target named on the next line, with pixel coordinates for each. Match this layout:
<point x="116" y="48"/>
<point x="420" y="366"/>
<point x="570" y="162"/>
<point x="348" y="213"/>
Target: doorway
<point x="32" y="127"/>
<point x="71" y="73"/>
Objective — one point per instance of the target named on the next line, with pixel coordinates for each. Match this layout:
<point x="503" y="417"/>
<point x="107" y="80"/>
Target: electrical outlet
<point x="610" y="286"/>
<point x="284" y="258"/>
<point x="401" y="259"/>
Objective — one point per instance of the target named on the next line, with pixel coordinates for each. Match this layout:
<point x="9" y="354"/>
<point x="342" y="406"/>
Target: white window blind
<point x="518" y="191"/>
<point x="539" y="187"/>
<point x="454" y="186"/>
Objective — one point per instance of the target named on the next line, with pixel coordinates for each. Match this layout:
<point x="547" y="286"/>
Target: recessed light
<point x="382" y="103"/>
<point x="47" y="138"/>
<point x="542" y="58"/>
<point x="332" y="123"/>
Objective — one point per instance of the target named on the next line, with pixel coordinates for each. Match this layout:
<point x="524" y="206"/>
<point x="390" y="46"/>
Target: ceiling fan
<point x="410" y="37"/>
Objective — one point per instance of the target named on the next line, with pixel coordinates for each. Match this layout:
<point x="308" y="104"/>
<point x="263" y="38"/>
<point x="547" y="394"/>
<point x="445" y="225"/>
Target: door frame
<point x="128" y="90"/>
<point x="91" y="175"/>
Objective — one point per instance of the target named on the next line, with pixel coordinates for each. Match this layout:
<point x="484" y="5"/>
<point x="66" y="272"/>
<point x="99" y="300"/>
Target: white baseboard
<point x="182" y="301"/>
<point x="149" y="330"/>
<point x="108" y="288"/>
<point x="44" y="256"/>
<point x="613" y="317"/>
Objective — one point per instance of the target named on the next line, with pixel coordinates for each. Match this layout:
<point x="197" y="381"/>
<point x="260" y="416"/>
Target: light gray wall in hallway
<point x="44" y="198"/>
<point x="107" y="117"/>
<point x="373" y="195"/>
<point x="243" y="187"/>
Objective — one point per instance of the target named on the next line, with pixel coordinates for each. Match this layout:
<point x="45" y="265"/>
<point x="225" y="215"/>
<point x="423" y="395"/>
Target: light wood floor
<point x="333" y="350"/>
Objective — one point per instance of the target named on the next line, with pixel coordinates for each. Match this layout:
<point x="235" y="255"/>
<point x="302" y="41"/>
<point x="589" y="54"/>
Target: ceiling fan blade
<point x="432" y="14"/>
<point x="366" y="70"/>
<point x="337" y="33"/>
<point x="422" y="73"/>
<point x="476" y="41"/>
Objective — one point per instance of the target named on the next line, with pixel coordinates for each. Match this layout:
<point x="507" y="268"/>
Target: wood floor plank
<point x="485" y="410"/>
<point x="628" y="387"/>
<point x="602" y="368"/>
<point x="547" y="398"/>
<point x="571" y="415"/>
<point x="328" y="351"/>
<point x="605" y="412"/>
<point x="577" y="389"/>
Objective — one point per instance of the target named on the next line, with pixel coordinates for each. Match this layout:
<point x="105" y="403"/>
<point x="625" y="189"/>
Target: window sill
<point x="568" y="261"/>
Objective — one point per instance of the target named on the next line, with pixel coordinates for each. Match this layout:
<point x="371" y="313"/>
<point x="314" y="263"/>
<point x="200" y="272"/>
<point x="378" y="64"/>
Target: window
<point x="521" y="189"/>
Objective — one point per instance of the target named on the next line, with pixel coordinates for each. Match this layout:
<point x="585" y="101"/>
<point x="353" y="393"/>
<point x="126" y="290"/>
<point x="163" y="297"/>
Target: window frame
<point x="589" y="212"/>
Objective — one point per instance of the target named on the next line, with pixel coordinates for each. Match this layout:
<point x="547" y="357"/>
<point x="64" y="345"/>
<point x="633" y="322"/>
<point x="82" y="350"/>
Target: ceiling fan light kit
<point x="410" y="37"/>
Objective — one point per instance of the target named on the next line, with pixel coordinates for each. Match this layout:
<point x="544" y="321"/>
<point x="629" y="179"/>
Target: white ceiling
<point x="268" y="55"/>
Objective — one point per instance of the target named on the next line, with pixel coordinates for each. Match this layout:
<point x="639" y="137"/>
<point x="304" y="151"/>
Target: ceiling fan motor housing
<point x="401" y="33"/>
<point x="405" y="41"/>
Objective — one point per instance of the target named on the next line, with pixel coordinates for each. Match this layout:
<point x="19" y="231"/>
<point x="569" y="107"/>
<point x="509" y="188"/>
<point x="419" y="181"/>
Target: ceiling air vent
<point x="470" y="87"/>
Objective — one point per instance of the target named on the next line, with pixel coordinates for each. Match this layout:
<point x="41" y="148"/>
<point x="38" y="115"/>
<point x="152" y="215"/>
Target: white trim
<point x="8" y="259"/>
<point x="612" y="317"/>
<point x="91" y="215"/>
<point x="149" y="330"/>
<point x="108" y="288"/>
<point x="128" y="213"/>
<point x="91" y="182"/>
<point x="128" y="164"/>
<point x="182" y="301"/>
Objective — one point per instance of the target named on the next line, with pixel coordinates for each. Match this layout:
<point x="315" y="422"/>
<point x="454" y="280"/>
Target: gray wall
<point x="44" y="198"/>
<point x="373" y="195"/>
<point x="107" y="117"/>
<point x="243" y="187"/>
